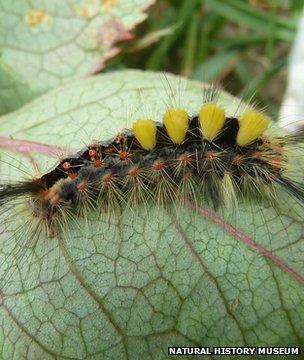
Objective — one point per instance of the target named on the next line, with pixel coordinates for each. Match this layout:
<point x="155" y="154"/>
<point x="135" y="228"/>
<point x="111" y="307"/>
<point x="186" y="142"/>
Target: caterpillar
<point x="93" y="237"/>
<point x="207" y="156"/>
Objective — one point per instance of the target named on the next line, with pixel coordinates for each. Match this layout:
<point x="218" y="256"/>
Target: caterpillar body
<point x="185" y="157"/>
<point x="120" y="252"/>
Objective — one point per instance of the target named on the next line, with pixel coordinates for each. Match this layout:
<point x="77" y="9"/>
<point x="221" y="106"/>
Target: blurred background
<point x="243" y="45"/>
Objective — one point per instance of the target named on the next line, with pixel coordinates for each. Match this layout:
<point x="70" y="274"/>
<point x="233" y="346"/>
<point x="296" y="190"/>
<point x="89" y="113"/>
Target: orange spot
<point x="92" y="153"/>
<point x="82" y="185"/>
<point x="211" y="155"/>
<point x="133" y="171"/>
<point x="257" y="155"/>
<point x="278" y="148"/>
<point x="276" y="162"/>
<point x="44" y="193"/>
<point x="107" y="178"/>
<point x="123" y="155"/>
<point x="107" y="5"/>
<point x="184" y="159"/>
<point x="158" y="165"/>
<point x="55" y="200"/>
<point x="73" y="175"/>
<point x="66" y="166"/>
<point x="49" y="193"/>
<point x="86" y="12"/>
<point x="34" y="17"/>
<point x="97" y="163"/>
<point x="237" y="160"/>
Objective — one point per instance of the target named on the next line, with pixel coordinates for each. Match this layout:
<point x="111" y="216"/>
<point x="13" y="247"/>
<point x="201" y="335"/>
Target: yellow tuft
<point x="252" y="125"/>
<point x="145" y="132"/>
<point x="212" y="119"/>
<point x="176" y="123"/>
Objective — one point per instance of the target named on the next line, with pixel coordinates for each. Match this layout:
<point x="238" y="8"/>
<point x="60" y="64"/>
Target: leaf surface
<point x="128" y="287"/>
<point x="43" y="43"/>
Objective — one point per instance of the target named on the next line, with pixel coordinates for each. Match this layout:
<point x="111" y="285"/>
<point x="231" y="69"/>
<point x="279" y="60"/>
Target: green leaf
<point x="128" y="287"/>
<point x="43" y="43"/>
<point x="244" y="13"/>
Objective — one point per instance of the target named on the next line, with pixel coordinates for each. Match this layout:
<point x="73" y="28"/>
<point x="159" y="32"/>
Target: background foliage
<point x="241" y="44"/>
<point x="45" y="43"/>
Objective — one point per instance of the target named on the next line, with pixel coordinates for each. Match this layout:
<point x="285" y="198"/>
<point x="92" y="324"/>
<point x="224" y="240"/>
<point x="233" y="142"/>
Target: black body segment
<point x="121" y="171"/>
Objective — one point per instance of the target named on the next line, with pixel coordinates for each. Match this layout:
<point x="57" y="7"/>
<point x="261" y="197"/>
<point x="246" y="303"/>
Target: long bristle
<point x="208" y="157"/>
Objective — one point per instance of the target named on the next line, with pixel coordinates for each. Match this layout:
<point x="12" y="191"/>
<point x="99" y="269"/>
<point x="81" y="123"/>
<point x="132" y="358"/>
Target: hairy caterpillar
<point x="105" y="273"/>
<point x="208" y="155"/>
